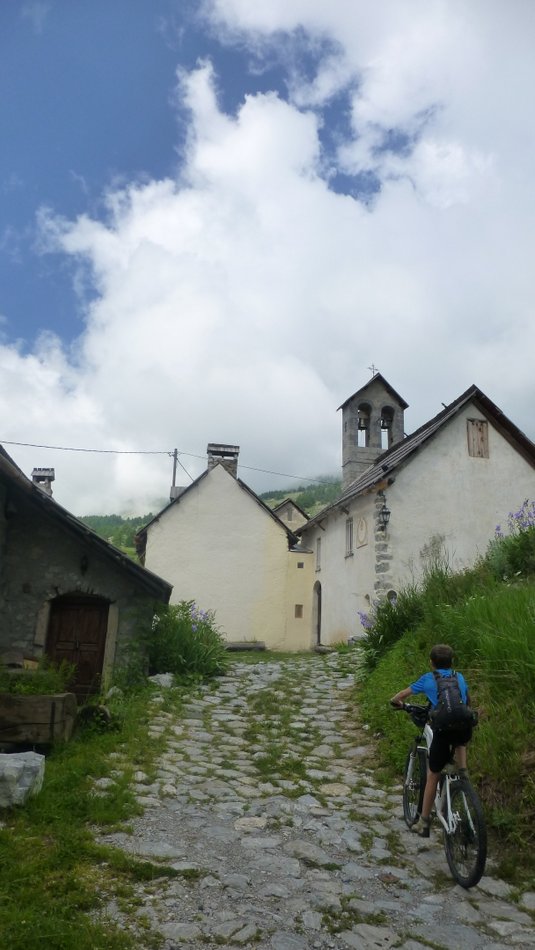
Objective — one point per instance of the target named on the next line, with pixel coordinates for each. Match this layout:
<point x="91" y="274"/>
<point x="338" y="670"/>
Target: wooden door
<point x="77" y="634"/>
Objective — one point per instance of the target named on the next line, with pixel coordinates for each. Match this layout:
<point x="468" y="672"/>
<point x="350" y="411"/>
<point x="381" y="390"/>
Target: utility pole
<point x="173" y="485"/>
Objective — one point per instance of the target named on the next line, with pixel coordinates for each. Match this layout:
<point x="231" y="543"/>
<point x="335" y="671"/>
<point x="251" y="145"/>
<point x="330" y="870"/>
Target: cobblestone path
<point x="266" y="804"/>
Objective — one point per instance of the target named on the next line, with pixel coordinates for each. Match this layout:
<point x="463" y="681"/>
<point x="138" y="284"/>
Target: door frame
<point x="316" y="613"/>
<point x="110" y="634"/>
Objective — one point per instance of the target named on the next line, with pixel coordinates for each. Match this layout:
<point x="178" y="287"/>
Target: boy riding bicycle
<point x="447" y="741"/>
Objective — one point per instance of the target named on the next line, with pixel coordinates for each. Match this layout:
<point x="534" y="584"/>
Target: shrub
<point x="45" y="680"/>
<point x="513" y="554"/>
<point x="185" y="641"/>
<point x="388" y="621"/>
<point x="440" y="590"/>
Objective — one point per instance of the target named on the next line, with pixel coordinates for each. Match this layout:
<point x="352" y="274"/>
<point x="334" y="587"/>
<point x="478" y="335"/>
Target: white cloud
<point x="244" y="301"/>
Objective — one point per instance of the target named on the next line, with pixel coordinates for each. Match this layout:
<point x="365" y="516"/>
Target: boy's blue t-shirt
<point x="427" y="685"/>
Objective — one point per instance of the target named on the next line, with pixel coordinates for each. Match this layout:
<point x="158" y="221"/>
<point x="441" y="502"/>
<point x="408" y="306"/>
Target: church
<point x="407" y="501"/>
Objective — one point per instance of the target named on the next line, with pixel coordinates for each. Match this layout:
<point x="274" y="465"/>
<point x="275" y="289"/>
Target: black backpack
<point x="450" y="713"/>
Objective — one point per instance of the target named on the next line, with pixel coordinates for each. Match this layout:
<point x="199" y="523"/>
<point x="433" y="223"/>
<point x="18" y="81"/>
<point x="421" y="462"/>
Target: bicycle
<point x="457" y="805"/>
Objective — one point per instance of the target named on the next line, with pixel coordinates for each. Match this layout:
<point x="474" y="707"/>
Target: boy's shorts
<point x="444" y="743"/>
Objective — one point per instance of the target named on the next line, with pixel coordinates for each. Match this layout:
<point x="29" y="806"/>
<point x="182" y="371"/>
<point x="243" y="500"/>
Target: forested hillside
<point x="116" y="529"/>
<point x="311" y="498"/>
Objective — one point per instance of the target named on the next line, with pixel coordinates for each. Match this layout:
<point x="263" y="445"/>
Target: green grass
<point x="336" y="921"/>
<point x="492" y="632"/>
<point x="54" y="877"/>
<point x="270" y="714"/>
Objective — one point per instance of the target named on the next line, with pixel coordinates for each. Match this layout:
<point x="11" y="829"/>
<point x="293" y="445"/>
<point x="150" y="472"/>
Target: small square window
<point x="299" y="611"/>
<point x="300" y="564"/>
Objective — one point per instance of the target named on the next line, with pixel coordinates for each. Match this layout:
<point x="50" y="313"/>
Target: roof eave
<point x="50" y="507"/>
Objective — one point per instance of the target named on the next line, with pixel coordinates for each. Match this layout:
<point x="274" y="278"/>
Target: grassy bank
<point x="491" y="628"/>
<point x="54" y="877"/>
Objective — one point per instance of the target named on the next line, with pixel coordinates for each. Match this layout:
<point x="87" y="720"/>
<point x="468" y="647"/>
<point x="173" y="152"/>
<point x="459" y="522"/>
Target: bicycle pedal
<point x="421" y="828"/>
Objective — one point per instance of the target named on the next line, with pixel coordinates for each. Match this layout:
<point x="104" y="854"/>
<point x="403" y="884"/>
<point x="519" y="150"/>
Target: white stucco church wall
<point x="345" y="577"/>
<point x="448" y="498"/>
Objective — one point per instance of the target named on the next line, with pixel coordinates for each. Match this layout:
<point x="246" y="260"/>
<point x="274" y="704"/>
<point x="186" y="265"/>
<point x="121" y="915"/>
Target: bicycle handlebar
<point x="407" y="707"/>
<point x="418" y="712"/>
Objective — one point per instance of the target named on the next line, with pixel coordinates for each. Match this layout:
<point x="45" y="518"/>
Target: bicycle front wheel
<point x="466" y="846"/>
<point x="414" y="779"/>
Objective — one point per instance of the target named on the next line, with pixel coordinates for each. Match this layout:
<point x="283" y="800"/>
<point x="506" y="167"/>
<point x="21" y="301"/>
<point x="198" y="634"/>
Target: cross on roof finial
<point x="373" y="369"/>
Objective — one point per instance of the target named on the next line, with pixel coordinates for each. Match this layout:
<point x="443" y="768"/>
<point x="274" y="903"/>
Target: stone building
<point x="65" y="592"/>
<point x="372" y="421"/>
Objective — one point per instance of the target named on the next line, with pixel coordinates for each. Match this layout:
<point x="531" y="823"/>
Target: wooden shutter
<point x="478" y="438"/>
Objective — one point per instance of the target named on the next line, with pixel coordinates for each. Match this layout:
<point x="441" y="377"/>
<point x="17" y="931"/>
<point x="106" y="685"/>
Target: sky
<point x="217" y="217"/>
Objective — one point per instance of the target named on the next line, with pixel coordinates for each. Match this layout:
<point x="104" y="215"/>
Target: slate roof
<point x="400" y="453"/>
<point x="12" y="474"/>
<point x="141" y="536"/>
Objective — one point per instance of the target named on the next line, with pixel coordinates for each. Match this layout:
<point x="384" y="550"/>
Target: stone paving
<point x="266" y="804"/>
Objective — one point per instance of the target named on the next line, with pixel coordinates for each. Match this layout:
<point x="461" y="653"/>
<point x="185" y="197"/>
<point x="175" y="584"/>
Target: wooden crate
<point x="37" y="719"/>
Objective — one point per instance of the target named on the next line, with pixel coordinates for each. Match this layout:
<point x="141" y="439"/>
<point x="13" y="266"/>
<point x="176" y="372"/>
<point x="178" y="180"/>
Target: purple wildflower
<point x="365" y="619"/>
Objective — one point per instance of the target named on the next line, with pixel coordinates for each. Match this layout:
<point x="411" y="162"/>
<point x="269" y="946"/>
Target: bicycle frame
<point x="447" y="818"/>
<point x="443" y="806"/>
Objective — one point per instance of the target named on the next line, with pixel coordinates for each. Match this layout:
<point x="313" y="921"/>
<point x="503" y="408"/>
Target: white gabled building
<point x="405" y="500"/>
<point x="222" y="547"/>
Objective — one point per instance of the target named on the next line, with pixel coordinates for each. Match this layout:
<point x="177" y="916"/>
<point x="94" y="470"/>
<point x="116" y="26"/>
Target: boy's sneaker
<point x="463" y="773"/>
<point x="421" y="827"/>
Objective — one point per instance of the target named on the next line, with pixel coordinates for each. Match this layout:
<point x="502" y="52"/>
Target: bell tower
<point x="372" y="422"/>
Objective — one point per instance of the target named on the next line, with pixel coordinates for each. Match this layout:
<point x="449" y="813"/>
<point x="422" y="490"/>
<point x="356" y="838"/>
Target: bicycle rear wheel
<point x="414" y="779"/>
<point x="466" y="846"/>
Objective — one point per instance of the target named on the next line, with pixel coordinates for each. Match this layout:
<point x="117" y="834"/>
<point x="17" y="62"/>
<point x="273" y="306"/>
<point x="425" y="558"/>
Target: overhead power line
<point x="169" y="452"/>
<point x="67" y="448"/>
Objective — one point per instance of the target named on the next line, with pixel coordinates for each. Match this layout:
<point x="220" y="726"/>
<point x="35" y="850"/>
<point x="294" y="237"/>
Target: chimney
<point x="43" y="478"/>
<point x="225" y="455"/>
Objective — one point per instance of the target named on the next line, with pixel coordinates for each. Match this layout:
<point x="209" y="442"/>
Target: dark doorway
<point x="316" y="613"/>
<point x="77" y="633"/>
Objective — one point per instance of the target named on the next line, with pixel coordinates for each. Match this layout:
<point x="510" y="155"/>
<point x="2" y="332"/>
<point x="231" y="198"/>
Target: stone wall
<point x="43" y="559"/>
<point x="376" y="397"/>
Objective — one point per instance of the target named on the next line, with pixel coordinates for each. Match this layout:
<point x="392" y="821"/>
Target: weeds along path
<point x="266" y="805"/>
